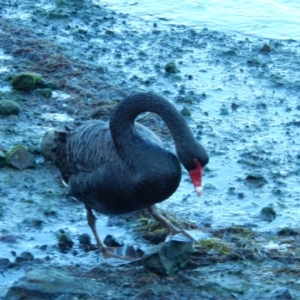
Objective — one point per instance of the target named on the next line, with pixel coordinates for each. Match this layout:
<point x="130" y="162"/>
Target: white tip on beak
<point x="199" y="190"/>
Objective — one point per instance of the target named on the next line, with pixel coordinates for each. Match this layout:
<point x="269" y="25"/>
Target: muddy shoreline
<point x="241" y="98"/>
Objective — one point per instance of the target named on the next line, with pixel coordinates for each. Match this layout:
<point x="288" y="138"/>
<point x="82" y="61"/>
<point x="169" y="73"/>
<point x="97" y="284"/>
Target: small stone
<point x="9" y="107"/>
<point x="224" y="111"/>
<point x="33" y="222"/>
<point x="84" y="239"/>
<point x="241" y="195"/>
<point x="185" y="112"/>
<point x="171" y="67"/>
<point x="256" y="179"/>
<point x="266" y="48"/>
<point x="111" y="241"/>
<point x="234" y="106"/>
<point x="4" y="264"/>
<point x="65" y="243"/>
<point x="25" y="256"/>
<point x="20" y="158"/>
<point x="268" y="213"/>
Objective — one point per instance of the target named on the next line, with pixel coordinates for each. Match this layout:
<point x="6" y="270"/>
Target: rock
<point x="26" y="81"/>
<point x="65" y="243"/>
<point x="32" y="222"/>
<point x="51" y="283"/>
<point x="268" y="213"/>
<point x="57" y="15"/>
<point x="45" y="93"/>
<point x="266" y="48"/>
<point x="4" y="264"/>
<point x="286" y="231"/>
<point x="169" y="257"/>
<point x="111" y="241"/>
<point x="256" y="179"/>
<point x="84" y="239"/>
<point x="281" y="294"/>
<point x="224" y="111"/>
<point x="185" y="112"/>
<point x="9" y="107"/>
<point x="19" y="158"/>
<point x="171" y="67"/>
<point x="25" y="257"/>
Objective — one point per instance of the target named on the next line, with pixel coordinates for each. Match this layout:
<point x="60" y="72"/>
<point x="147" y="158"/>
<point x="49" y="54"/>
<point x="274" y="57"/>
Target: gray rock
<point x="185" y="112"/>
<point x="4" y="264"/>
<point x="281" y="294"/>
<point x="20" y="158"/>
<point x="25" y="257"/>
<point x="169" y="257"/>
<point x="51" y="283"/>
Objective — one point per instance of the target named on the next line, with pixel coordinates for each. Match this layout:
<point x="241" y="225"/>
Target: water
<point x="274" y="19"/>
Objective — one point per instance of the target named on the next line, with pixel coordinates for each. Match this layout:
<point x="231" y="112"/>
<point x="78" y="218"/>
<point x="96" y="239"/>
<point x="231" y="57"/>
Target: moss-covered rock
<point x="26" y="81"/>
<point x="268" y="213"/>
<point x="65" y="242"/>
<point x="45" y="93"/>
<point x="9" y="107"/>
<point x="171" y="67"/>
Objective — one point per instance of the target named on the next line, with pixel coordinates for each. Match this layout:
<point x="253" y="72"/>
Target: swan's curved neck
<point x="126" y="138"/>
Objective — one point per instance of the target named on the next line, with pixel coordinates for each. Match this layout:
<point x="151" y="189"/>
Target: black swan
<point x="121" y="167"/>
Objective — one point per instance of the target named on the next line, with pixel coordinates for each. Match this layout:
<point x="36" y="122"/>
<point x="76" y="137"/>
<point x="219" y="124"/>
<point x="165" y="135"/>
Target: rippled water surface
<point x="276" y="19"/>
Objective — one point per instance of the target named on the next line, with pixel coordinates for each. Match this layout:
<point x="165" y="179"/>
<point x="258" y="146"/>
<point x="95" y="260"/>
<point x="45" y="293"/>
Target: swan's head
<point x="194" y="159"/>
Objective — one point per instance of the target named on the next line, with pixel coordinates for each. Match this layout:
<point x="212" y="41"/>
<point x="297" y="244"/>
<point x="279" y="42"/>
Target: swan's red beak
<point x="196" y="177"/>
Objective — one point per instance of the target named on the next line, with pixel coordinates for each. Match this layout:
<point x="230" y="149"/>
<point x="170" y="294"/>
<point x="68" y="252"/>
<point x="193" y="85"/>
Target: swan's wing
<point x="86" y="149"/>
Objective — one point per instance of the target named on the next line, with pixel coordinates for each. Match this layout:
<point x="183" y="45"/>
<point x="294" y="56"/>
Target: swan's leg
<point x="107" y="252"/>
<point x="172" y="230"/>
<point x="92" y="223"/>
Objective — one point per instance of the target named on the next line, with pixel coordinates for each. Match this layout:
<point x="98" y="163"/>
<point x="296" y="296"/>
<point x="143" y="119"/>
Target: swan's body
<point x="121" y="167"/>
